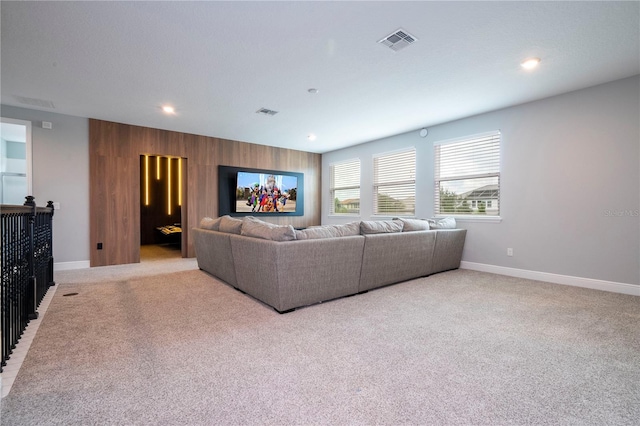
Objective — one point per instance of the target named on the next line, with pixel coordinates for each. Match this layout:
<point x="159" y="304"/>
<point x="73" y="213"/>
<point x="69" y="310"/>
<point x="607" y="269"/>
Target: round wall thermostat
<point x="424" y="133"/>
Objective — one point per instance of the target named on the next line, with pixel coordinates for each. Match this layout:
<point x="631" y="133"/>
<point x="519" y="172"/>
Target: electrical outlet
<point x="99" y="246"/>
<point x="509" y="251"/>
<point x="56" y="206"/>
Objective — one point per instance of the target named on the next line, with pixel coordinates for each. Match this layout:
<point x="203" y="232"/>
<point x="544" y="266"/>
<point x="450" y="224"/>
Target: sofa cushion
<point x="444" y="223"/>
<point x="253" y="227"/>
<point x="329" y="231"/>
<point x="380" y="226"/>
<point x="210" y="224"/>
<point x="414" y="224"/>
<point x="348" y="229"/>
<point x="230" y="225"/>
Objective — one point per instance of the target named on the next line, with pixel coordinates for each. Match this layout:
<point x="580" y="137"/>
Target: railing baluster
<point x="27" y="268"/>
<point x="49" y="230"/>
<point x="32" y="291"/>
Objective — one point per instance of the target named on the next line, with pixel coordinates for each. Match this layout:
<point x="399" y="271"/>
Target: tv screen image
<point x="265" y="193"/>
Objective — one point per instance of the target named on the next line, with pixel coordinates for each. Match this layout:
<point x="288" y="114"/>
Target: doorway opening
<point x="162" y="207"/>
<point x="15" y="161"/>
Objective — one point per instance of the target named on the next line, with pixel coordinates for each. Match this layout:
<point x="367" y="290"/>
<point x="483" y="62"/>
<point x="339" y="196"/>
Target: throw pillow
<point x="210" y="224"/>
<point x="380" y="226"/>
<point x="444" y="223"/>
<point x="230" y="225"/>
<point x="253" y="227"/>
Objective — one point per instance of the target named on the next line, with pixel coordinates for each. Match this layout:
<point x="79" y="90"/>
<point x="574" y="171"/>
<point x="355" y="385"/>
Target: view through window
<point x="345" y="187"/>
<point x="467" y="176"/>
<point x="394" y="180"/>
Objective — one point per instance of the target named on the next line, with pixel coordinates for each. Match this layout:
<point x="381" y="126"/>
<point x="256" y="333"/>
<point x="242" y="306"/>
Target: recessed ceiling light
<point x="311" y="137"/>
<point x="169" y="109"/>
<point x="530" y="63"/>
<point x="312" y="90"/>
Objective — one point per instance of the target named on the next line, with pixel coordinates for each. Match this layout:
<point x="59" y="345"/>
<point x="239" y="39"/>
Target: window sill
<point x="344" y="215"/>
<point x="386" y="216"/>
<point x="478" y="219"/>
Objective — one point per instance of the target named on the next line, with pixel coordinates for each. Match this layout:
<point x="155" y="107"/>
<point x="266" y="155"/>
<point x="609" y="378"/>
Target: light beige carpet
<point x="152" y="252"/>
<point x="460" y="347"/>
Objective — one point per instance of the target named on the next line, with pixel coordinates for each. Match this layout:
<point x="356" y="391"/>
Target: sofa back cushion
<point x="380" y="226"/>
<point x="329" y="231"/>
<point x="410" y="225"/>
<point x="210" y="224"/>
<point x="230" y="225"/>
<point x="253" y="227"/>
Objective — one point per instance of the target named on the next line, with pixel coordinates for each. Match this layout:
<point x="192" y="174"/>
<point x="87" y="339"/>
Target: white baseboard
<point x="611" y="286"/>
<point x="67" y="266"/>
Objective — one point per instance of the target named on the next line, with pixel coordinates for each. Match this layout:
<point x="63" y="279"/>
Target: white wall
<point x="61" y="174"/>
<point x="570" y="171"/>
<point x="578" y="151"/>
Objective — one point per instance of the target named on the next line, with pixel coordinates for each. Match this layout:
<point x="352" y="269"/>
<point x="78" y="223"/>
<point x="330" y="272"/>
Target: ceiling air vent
<point x="34" y="102"/>
<point x="398" y="40"/>
<point x="266" y="111"/>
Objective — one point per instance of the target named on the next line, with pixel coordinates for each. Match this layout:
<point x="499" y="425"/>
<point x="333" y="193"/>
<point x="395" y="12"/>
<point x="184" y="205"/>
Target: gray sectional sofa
<point x="287" y="268"/>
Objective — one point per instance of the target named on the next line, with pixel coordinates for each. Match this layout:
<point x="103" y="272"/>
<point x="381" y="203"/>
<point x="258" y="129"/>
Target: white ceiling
<point x="218" y="62"/>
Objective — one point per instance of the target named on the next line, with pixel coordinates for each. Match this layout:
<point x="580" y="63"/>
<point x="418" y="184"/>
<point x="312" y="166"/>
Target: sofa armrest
<point x="256" y="263"/>
<point x="213" y="251"/>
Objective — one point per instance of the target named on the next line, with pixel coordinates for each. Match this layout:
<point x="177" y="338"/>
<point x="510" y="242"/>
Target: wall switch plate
<point x="56" y="206"/>
<point x="509" y="252"/>
<point x="47" y="125"/>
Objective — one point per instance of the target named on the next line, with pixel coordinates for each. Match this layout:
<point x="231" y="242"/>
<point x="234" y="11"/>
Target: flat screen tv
<point x="260" y="192"/>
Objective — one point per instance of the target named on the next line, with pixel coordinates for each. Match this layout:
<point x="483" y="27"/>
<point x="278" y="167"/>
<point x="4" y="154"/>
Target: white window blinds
<point x="394" y="181"/>
<point x="345" y="187"/>
<point x="467" y="176"/>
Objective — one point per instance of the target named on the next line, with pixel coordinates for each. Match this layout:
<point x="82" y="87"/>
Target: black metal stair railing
<point x="27" y="268"/>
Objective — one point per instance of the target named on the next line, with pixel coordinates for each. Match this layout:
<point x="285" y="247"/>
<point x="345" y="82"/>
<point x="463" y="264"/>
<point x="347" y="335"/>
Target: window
<point x="467" y="176"/>
<point x="394" y="183"/>
<point x="345" y="187"/>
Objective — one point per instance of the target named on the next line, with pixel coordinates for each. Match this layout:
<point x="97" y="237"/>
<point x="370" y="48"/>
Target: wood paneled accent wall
<point x="114" y="155"/>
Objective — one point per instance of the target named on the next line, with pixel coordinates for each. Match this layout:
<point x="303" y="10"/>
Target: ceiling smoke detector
<point x="398" y="39"/>
<point x="266" y="111"/>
